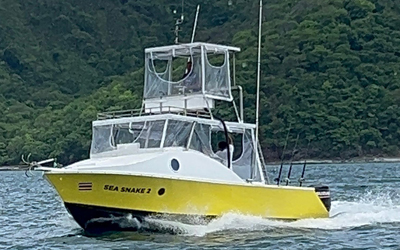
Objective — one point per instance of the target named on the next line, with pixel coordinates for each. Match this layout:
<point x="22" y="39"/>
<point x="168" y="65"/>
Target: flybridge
<point x="200" y="84"/>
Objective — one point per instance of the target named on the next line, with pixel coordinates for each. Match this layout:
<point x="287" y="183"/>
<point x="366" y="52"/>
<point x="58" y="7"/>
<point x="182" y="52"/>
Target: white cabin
<point x="176" y="116"/>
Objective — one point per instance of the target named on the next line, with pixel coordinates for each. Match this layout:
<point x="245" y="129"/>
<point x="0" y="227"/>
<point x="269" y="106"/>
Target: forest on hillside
<point x="330" y="70"/>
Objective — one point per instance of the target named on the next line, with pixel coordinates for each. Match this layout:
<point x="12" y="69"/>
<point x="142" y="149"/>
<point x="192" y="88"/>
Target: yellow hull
<point x="156" y="195"/>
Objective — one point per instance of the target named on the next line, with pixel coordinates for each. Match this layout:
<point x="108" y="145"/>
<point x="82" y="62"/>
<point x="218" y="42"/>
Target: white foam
<point x="370" y="209"/>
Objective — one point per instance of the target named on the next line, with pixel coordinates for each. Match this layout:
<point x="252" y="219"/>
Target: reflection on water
<point x="365" y="214"/>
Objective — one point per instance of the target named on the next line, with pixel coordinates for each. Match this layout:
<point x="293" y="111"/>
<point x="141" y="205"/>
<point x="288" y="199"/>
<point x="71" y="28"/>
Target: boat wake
<point x="370" y="209"/>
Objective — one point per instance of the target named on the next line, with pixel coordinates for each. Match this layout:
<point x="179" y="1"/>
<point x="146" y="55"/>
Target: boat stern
<point x="324" y="195"/>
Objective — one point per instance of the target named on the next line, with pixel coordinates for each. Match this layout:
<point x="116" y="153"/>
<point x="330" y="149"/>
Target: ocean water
<point x="365" y="215"/>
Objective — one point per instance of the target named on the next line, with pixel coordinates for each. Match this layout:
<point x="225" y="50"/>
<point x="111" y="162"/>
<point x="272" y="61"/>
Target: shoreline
<point x="351" y="161"/>
<point x="14" y="168"/>
<point x="309" y="162"/>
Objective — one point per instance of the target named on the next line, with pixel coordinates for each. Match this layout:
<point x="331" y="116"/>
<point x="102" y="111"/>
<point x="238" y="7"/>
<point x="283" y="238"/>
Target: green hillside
<point x="329" y="70"/>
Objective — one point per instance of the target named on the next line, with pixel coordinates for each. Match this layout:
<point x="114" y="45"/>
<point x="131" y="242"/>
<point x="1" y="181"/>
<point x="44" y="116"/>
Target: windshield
<point x="177" y="134"/>
<point x="134" y="136"/>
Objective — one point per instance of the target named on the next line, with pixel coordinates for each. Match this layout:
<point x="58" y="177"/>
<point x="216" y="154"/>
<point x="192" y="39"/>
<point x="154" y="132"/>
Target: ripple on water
<point x="366" y="204"/>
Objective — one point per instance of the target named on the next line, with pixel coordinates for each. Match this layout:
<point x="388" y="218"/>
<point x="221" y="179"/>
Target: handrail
<point x="151" y="111"/>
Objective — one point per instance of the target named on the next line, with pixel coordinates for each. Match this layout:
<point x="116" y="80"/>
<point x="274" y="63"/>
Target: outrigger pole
<point x="258" y="72"/>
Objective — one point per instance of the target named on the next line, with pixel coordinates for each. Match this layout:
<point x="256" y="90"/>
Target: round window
<point x="175" y="164"/>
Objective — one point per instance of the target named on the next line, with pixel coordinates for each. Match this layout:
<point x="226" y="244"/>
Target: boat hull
<point x="95" y="219"/>
<point x="93" y="197"/>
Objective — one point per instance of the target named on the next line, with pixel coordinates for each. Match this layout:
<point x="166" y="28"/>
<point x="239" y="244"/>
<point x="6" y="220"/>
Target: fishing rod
<point x="304" y="166"/>
<point x="291" y="161"/>
<point x="283" y="156"/>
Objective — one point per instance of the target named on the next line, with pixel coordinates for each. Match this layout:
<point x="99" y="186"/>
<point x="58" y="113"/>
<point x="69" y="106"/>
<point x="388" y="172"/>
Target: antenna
<point x="258" y="70"/>
<point x="193" y="34"/>
<point x="195" y="23"/>
<point x="178" y="23"/>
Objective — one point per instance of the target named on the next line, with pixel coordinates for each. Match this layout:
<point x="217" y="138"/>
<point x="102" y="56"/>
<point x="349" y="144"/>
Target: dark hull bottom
<point x="95" y="219"/>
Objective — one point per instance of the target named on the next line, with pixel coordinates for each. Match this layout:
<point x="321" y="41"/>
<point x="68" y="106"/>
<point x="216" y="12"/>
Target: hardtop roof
<point x="209" y="47"/>
<point x="232" y="126"/>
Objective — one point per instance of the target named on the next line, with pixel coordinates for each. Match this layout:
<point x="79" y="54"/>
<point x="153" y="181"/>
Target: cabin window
<point x="126" y="133"/>
<point x="246" y="166"/>
<point x="237" y="138"/>
<point x="201" y="139"/>
<point x="127" y="136"/>
<point x="152" y="134"/>
<point x="217" y="81"/>
<point x="175" y="76"/>
<point x="244" y="160"/>
<point x="177" y="134"/>
<point x="101" y="139"/>
<point x="147" y="134"/>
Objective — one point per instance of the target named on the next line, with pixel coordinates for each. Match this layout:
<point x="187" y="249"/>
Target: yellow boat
<point x="163" y="160"/>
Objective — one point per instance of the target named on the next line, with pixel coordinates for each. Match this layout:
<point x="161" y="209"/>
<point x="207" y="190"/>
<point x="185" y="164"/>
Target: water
<point x="366" y="209"/>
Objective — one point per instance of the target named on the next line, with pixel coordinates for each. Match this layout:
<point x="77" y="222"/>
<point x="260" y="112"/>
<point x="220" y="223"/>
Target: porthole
<point x="161" y="191"/>
<point x="175" y="164"/>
